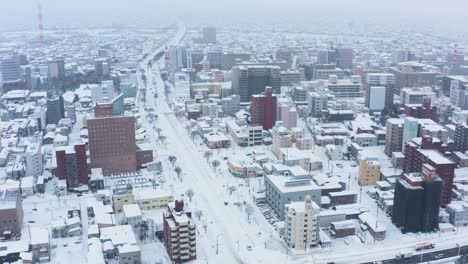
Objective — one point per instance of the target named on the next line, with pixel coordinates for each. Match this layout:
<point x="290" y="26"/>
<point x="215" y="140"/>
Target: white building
<point x="133" y="215"/>
<point x="181" y="89"/>
<point x="316" y="103"/>
<point x="377" y="98"/>
<point x="416" y="95"/>
<point x="102" y="93"/>
<point x="301" y="231"/>
<point x="34" y="164"/>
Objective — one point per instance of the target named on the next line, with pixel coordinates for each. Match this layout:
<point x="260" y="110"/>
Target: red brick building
<point x="426" y="152"/>
<point x="179" y="233"/>
<point x="112" y="144"/>
<point x="424" y="110"/>
<point x="263" y="109"/>
<point x="72" y="165"/>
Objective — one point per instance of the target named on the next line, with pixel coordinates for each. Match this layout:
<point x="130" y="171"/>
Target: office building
<point x="55" y="110"/>
<point x="56" y="69"/>
<point x="214" y="55"/>
<point x="11" y="69"/>
<point x="416" y="95"/>
<point x="458" y="92"/>
<point x="347" y="88"/>
<point x="414" y="74"/>
<point x="102" y="68"/>
<point x="386" y="80"/>
<point x="344" y="58"/>
<point x="327" y="56"/>
<point x="209" y="35"/>
<point x="248" y="80"/>
<point x="245" y="135"/>
<point x="178" y="57"/>
<point x="394" y="136"/>
<point x="179" y="233"/>
<point x="410" y="130"/>
<point x="263" y="108"/>
<point x="284" y="54"/>
<point x="416" y="201"/>
<point x="300" y="224"/>
<point x="290" y="77"/>
<point x="112" y="144"/>
<point x="72" y="165"/>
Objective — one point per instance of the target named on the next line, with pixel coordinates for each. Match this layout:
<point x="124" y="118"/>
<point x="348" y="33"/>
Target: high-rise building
<point x="344" y="58"/>
<point x="416" y="201"/>
<point x="394" y="136"/>
<point x="231" y="104"/>
<point x="410" y="130"/>
<point x="209" y="35"/>
<point x="56" y="69"/>
<point x="461" y="137"/>
<point x="11" y="70"/>
<point x="459" y="93"/>
<point x="427" y="152"/>
<point x="301" y="224"/>
<point x="103" y="92"/>
<point x="102" y="68"/>
<point x="112" y="144"/>
<point x="179" y="233"/>
<point x="178" y="57"/>
<point x="316" y="103"/>
<point x="33" y="157"/>
<point x="263" y="109"/>
<point x="327" y="56"/>
<point x="214" y="56"/>
<point x="376" y="98"/>
<point x="72" y="165"/>
<point x="248" y="80"/>
<point x="55" y="110"/>
<point x="386" y="80"/>
<point x="402" y="56"/>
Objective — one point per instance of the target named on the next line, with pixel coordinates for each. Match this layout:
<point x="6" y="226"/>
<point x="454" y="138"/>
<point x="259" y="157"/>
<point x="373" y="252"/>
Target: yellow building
<point x="369" y="172"/>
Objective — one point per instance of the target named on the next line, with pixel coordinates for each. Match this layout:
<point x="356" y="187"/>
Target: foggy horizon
<point x="23" y="14"/>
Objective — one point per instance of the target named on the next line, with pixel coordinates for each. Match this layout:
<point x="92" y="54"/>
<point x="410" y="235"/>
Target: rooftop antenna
<point x="41" y="27"/>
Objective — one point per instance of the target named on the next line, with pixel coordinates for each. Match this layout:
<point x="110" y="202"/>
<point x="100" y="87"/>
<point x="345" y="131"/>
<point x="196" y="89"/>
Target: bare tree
<point x="208" y="155"/>
<point x="162" y="139"/>
<point x="232" y="189"/>
<point x="178" y="170"/>
<point x="198" y="213"/>
<point x="172" y="160"/>
<point x="190" y="194"/>
<point x="215" y="164"/>
<point x="158" y="130"/>
<point x="193" y="134"/>
<point x="248" y="211"/>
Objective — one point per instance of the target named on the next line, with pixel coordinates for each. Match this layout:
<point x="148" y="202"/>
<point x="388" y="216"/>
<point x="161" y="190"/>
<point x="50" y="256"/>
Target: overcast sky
<point x="451" y="14"/>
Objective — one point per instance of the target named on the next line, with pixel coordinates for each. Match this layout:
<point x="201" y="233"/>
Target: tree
<point x="158" y="130"/>
<point x="208" y="155"/>
<point x="190" y="194"/>
<point x="178" y="170"/>
<point x="232" y="189"/>
<point x="193" y="134"/>
<point x="248" y="211"/>
<point x="198" y="213"/>
<point x="215" y="164"/>
<point x="162" y="139"/>
<point x="172" y="160"/>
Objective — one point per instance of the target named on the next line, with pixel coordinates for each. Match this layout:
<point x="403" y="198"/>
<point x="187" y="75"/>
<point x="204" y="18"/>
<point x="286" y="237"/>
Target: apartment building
<point x="300" y="224"/>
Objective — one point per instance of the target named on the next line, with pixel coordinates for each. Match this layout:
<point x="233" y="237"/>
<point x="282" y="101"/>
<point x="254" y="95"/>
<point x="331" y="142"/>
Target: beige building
<point x="369" y="171"/>
<point x="146" y="199"/>
<point x="394" y="136"/>
<point x="300" y="224"/>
